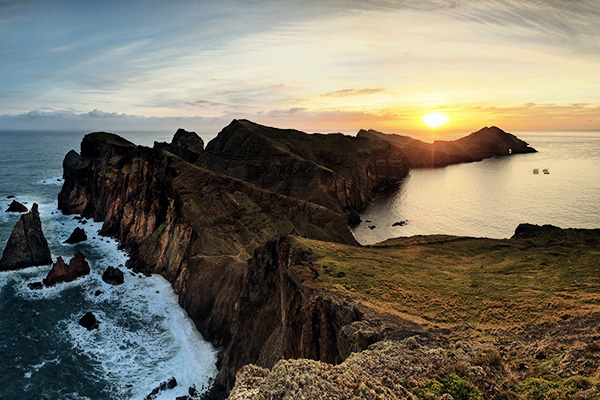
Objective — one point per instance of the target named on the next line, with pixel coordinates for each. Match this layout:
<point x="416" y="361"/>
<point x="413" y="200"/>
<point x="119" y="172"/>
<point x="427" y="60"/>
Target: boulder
<point x="170" y="384"/>
<point x="35" y="285"/>
<point x="15" y="206"/>
<point x="27" y="245"/>
<point x="113" y="275"/>
<point x="89" y="321"/>
<point x="62" y="272"/>
<point x="77" y="236"/>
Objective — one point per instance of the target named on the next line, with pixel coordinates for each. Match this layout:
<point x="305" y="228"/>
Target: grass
<point x="159" y="230"/>
<point x="445" y="279"/>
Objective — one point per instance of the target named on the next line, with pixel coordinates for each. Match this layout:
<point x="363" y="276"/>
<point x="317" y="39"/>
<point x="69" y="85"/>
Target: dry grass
<point x="483" y="281"/>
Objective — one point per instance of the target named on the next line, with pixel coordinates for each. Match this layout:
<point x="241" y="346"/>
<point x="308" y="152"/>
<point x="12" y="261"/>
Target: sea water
<point x="144" y="337"/>
<point x="492" y="197"/>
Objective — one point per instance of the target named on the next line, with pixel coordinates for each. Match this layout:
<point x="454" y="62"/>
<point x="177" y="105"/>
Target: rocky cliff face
<point x="198" y="229"/>
<point x="485" y="143"/>
<point x="336" y="171"/>
<point x="27" y="245"/>
<point x="187" y="145"/>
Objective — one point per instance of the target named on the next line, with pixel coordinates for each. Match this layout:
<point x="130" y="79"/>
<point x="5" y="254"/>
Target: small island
<point x="252" y="231"/>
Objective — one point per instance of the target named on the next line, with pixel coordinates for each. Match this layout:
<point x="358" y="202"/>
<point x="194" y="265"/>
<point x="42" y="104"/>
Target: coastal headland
<point x="252" y="232"/>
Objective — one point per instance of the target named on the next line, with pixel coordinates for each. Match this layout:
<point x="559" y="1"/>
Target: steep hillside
<point x="485" y="143"/>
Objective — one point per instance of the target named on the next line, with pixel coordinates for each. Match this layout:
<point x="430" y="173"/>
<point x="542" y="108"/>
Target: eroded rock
<point x="113" y="275"/>
<point x="15" y="206"/>
<point x="77" y="236"/>
<point x="89" y="321"/>
<point x="62" y="272"/>
<point x="27" y="245"/>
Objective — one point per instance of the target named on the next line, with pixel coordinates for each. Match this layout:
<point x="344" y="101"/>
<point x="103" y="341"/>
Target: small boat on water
<point x="545" y="170"/>
<point x="536" y="171"/>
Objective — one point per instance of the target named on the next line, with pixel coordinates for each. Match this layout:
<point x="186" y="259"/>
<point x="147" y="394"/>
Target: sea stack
<point x="62" y="272"/>
<point x="15" y="206"/>
<point x="113" y="275"/>
<point x="27" y="245"/>
<point x="77" y="236"/>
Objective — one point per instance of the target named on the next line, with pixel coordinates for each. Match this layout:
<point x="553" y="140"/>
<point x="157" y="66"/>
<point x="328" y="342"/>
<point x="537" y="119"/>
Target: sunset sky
<point x="315" y="65"/>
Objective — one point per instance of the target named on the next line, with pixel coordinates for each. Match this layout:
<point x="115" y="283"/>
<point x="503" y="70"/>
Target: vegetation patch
<point x="451" y="280"/>
<point x="159" y="230"/>
<point x="453" y="385"/>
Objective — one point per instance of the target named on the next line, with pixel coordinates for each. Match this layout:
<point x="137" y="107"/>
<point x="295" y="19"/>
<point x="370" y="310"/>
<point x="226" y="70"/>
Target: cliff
<point x="485" y="143"/>
<point x="187" y="145"/>
<point x="336" y="171"/>
<point x="27" y="245"/>
<point x="198" y="229"/>
<point x="216" y="222"/>
<point x="501" y="319"/>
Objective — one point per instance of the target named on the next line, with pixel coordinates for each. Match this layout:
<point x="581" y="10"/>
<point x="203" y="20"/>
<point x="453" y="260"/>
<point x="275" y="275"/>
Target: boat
<point x="546" y="171"/>
<point x="536" y="171"/>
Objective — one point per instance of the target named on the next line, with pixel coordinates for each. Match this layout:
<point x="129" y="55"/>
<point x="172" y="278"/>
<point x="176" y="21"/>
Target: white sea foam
<point x="149" y="341"/>
<point x="57" y="180"/>
<point x="144" y="337"/>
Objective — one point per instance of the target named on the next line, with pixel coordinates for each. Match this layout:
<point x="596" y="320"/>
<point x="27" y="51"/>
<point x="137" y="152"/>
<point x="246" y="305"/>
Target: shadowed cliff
<point x="198" y="229"/>
<point x="336" y="171"/>
<point x="485" y="143"/>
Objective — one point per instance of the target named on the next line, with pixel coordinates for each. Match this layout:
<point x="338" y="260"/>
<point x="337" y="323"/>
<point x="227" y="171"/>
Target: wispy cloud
<point x="352" y="92"/>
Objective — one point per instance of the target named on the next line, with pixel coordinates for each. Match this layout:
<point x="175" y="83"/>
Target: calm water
<point x="144" y="336"/>
<point x="490" y="198"/>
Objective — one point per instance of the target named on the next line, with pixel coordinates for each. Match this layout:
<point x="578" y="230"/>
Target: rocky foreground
<point x="252" y="232"/>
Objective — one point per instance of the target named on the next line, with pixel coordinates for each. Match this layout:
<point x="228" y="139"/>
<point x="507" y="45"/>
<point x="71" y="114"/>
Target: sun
<point x="435" y="119"/>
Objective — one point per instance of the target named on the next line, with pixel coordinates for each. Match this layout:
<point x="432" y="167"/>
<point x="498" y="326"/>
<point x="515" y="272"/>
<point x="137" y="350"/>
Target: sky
<point x="314" y="65"/>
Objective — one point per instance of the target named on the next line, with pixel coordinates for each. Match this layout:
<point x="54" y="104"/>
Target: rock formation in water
<point x="113" y="275"/>
<point x="77" y="236"/>
<point x="485" y="143"/>
<point x="216" y="224"/>
<point x="15" y="206"/>
<point x="62" y="272"/>
<point x="27" y="245"/>
<point x="89" y="321"/>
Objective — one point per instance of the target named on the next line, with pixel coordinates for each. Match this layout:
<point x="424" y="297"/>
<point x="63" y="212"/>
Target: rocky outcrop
<point x="113" y="275"/>
<point x="336" y="171"/>
<point x="89" y="321"/>
<point x="187" y="145"/>
<point x="27" y="245"/>
<point x="198" y="228"/>
<point x="77" y="236"/>
<point x="62" y="272"/>
<point x="485" y="143"/>
<point x="17" y="207"/>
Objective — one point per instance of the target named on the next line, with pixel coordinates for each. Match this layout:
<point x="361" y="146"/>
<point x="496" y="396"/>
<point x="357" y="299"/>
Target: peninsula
<point x="252" y="232"/>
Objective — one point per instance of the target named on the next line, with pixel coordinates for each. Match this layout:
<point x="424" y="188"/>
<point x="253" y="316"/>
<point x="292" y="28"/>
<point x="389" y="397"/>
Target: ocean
<point x="492" y="197"/>
<point x="144" y="338"/>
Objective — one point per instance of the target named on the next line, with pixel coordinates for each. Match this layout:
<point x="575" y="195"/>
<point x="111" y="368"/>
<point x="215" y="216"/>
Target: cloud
<point x="98" y="120"/>
<point x="352" y="92"/>
<point x="101" y="114"/>
<point x="206" y="103"/>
